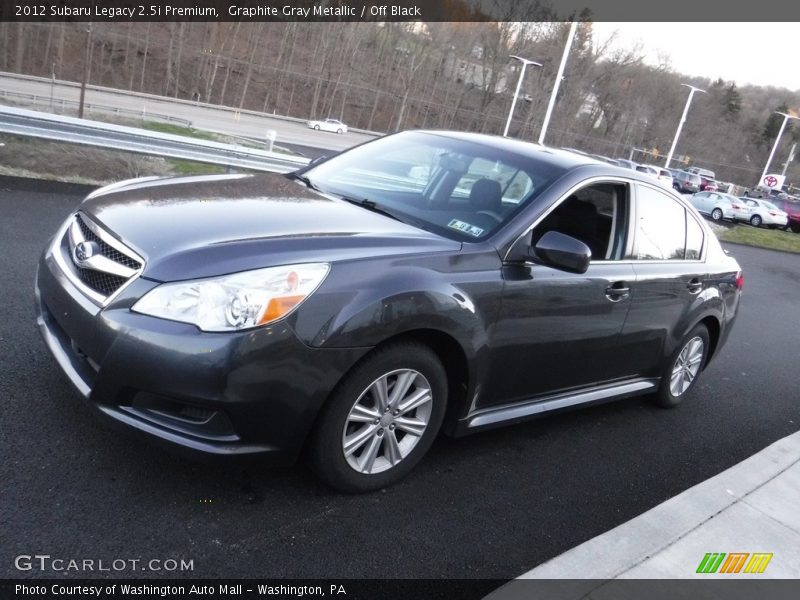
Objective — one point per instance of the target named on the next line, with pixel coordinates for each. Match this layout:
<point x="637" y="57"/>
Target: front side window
<point x="660" y="226"/>
<point x="596" y="215"/>
<point x="458" y="188"/>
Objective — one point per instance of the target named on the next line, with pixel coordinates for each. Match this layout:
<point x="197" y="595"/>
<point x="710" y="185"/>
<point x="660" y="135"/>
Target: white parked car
<point x="328" y="125"/>
<point x="763" y="212"/>
<point x="717" y="206"/>
<point x="662" y="174"/>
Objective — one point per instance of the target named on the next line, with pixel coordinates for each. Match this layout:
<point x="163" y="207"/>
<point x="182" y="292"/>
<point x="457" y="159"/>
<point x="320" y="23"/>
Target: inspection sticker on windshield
<point x="465" y="227"/>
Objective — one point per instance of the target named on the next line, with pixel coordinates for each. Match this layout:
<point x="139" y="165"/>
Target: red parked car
<point x="792" y="209"/>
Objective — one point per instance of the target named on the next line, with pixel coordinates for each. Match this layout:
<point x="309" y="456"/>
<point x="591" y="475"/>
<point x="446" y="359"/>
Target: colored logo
<point x="734" y="562"/>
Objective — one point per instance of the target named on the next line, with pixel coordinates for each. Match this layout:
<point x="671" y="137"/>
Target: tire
<point x="795" y="228"/>
<point x="339" y="131"/>
<point x="716" y="214"/>
<point x="755" y="221"/>
<point x="354" y="454"/>
<point x="683" y="369"/>
<point x="316" y="127"/>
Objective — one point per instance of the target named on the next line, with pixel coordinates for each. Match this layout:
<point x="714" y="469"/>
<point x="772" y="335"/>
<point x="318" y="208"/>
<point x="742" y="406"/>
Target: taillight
<point x="739" y="280"/>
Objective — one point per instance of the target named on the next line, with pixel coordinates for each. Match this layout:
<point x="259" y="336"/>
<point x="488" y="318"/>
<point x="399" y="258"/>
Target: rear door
<point x="667" y="258"/>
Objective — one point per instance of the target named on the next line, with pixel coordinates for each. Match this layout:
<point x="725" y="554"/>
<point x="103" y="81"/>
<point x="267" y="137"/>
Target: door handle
<point x="694" y="286"/>
<point x="618" y="291"/>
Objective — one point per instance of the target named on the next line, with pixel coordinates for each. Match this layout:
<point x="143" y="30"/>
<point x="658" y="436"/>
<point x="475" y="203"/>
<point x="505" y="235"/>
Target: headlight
<point x="237" y="301"/>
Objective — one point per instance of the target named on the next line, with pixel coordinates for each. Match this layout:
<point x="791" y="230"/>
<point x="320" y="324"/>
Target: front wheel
<point x="381" y="419"/>
<point x="716" y="214"/>
<point x="316" y="127"/>
<point x="683" y="368"/>
<point x="339" y="131"/>
<point x="755" y="221"/>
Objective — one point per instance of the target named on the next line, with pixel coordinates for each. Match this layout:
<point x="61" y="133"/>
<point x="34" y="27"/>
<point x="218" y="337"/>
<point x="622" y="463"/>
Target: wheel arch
<point x="714" y="328"/>
<point x="447" y="349"/>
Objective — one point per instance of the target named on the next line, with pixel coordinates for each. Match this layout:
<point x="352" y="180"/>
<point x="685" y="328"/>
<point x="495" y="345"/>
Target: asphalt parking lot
<point x="492" y="505"/>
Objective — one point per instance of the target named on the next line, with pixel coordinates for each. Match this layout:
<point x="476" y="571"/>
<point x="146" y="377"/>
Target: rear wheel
<point x="755" y="221"/>
<point x="381" y="420"/>
<point x="716" y="214"/>
<point x="683" y="368"/>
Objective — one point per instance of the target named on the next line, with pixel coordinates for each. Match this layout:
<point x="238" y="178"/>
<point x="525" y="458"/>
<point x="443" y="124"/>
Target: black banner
<point x="398" y="10"/>
<point x="714" y="587"/>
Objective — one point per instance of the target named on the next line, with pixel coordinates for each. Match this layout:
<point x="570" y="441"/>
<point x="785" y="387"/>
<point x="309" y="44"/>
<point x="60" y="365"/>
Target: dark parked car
<point x="686" y="183"/>
<point x="769" y="194"/>
<point x="792" y="209"/>
<point x="708" y="180"/>
<point x="424" y="281"/>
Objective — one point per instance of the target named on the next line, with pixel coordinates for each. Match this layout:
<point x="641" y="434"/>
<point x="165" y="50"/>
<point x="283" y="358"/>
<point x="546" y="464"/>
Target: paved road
<point x="217" y="119"/>
<point x="492" y="505"/>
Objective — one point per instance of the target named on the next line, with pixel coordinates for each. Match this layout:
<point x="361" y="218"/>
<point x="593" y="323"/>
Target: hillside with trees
<point x="391" y="76"/>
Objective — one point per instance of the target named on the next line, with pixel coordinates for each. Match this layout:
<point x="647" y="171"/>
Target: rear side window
<point x="661" y="226"/>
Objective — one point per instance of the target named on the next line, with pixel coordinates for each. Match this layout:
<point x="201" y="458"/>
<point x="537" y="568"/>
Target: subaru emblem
<point x="84" y="251"/>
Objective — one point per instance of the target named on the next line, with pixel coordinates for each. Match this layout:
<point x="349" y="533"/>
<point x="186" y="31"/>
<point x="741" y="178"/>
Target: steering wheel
<point x="488" y="213"/>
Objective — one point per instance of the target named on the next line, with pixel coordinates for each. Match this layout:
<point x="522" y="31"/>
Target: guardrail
<point x="171" y="100"/>
<point x="19" y="121"/>
<point x="63" y="103"/>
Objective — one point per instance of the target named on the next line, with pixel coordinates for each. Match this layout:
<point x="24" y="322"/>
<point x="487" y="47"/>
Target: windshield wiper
<point x="305" y="180"/>
<point x="371" y="206"/>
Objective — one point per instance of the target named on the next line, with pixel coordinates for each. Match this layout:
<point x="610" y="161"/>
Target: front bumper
<point x="249" y="393"/>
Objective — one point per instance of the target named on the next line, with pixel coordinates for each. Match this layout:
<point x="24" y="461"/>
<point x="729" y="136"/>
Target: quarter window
<point x="694" y="238"/>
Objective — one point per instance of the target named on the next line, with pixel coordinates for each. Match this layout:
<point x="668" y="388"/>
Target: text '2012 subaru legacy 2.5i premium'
<point x="421" y="282"/>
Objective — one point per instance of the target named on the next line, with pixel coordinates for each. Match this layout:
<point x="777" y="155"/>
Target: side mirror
<point x="562" y="252"/>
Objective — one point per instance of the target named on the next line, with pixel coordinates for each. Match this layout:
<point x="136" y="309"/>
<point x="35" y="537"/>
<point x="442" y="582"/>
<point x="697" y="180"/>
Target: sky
<point x="748" y="53"/>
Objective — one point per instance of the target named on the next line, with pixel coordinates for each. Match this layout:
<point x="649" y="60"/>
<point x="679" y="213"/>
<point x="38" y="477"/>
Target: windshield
<point x="462" y="190"/>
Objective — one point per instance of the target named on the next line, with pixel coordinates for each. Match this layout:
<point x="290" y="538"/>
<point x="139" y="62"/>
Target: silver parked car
<point x="715" y="205"/>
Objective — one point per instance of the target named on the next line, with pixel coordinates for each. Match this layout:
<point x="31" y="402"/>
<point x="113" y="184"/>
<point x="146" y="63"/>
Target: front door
<point x="559" y="330"/>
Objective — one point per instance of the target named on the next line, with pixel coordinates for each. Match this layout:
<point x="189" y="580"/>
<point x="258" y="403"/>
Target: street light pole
<point x="789" y="160"/>
<point x="557" y="84"/>
<point x="683" y="119"/>
<point x="525" y="63"/>
<point x="86" y="66"/>
<point x="786" y="117"/>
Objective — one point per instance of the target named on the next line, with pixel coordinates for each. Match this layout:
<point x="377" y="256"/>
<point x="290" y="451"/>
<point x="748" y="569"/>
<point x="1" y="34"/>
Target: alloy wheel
<point x="686" y="366"/>
<point x="387" y="421"/>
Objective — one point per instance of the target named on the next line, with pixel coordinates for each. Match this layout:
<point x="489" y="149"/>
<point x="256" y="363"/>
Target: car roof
<point x="557" y="156"/>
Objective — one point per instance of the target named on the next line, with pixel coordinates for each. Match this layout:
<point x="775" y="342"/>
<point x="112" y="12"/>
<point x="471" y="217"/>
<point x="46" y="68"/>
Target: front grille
<point x="103" y="283"/>
<point x="108" y="251"/>
<point x="105" y="266"/>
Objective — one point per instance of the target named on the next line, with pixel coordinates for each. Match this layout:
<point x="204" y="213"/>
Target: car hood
<point x="191" y="227"/>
